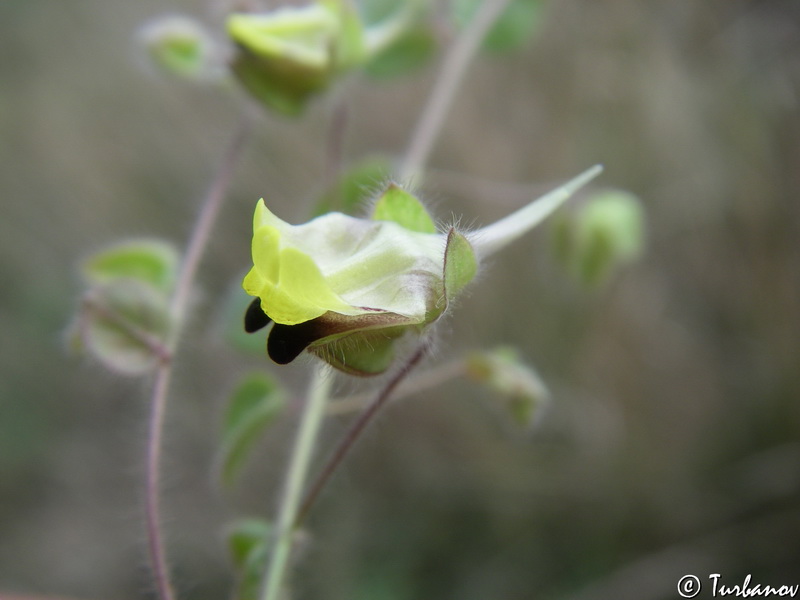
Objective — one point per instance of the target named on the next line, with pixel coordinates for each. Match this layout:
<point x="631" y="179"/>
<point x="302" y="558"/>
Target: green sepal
<point x="460" y="264"/>
<point x="256" y="402"/>
<point x="362" y="353"/>
<point x="149" y="261"/>
<point x="403" y="208"/>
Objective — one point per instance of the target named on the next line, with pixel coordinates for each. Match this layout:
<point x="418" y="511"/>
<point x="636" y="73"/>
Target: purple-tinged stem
<point x="178" y="307"/>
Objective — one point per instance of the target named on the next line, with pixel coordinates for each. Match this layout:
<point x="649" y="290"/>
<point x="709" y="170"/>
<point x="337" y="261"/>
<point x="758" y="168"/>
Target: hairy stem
<point x="424" y="381"/>
<point x="207" y="218"/>
<point x="178" y="307"/>
<point x="454" y="66"/>
<point x="298" y="469"/>
<point x="357" y="429"/>
<point x="152" y="484"/>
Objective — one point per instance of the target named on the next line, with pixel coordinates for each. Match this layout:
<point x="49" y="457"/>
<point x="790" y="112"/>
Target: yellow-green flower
<point x="285" y="56"/>
<point x="347" y="288"/>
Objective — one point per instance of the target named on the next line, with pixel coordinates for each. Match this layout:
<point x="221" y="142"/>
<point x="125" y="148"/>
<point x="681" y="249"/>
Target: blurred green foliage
<point x="254" y="405"/>
<point x="514" y="28"/>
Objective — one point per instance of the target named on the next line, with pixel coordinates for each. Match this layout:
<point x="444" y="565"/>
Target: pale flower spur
<point x="347" y="288"/>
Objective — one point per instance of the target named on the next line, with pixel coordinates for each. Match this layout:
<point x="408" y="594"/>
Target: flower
<point x="287" y="55"/>
<point x="347" y="288"/>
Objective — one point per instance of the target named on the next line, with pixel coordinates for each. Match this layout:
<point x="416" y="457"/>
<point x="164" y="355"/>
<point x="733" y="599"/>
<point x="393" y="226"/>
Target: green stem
<point x="357" y="428"/>
<point x="295" y="478"/>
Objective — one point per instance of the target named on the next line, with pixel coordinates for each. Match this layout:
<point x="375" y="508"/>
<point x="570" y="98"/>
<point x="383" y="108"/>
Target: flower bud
<point x="606" y="233"/>
<point x="517" y="385"/>
<point x="179" y="46"/>
<point x="286" y="56"/>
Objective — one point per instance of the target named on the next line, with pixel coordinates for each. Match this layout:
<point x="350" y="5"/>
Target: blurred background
<point x="672" y="443"/>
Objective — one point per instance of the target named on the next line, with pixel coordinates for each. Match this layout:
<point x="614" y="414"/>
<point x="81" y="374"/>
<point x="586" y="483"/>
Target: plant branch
<point x="178" y="307"/>
<point x="357" y="429"/>
<point x="424" y="381"/>
<point x="152" y="483"/>
<point x="454" y="66"/>
<point x="207" y="217"/>
<point x="298" y="469"/>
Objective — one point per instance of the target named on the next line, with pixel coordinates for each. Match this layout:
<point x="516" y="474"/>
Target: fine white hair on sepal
<point x="371" y="193"/>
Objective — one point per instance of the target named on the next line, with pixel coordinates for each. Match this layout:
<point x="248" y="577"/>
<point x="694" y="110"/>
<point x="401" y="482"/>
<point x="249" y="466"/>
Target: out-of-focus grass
<point x="673" y="442"/>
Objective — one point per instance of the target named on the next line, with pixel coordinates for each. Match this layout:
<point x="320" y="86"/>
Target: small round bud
<point x="179" y="46"/>
<point x="607" y="232"/>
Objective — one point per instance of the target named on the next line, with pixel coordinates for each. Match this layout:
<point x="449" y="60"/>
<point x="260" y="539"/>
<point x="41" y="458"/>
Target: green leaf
<point x="354" y="185"/>
<point x="412" y="50"/>
<point x="403" y="208"/>
<point x="254" y="405"/>
<point x="512" y="29"/>
<point x="150" y="261"/>
<point x="460" y="264"/>
<point x="248" y="542"/>
<point x="125" y="325"/>
<point x="245" y="536"/>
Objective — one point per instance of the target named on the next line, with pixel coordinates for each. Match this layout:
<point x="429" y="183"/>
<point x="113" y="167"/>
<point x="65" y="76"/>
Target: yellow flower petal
<point x="266" y="253"/>
<point x="306" y="293"/>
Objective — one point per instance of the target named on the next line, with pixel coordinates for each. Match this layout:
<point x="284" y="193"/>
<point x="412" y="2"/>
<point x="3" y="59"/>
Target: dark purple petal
<point x="255" y="318"/>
